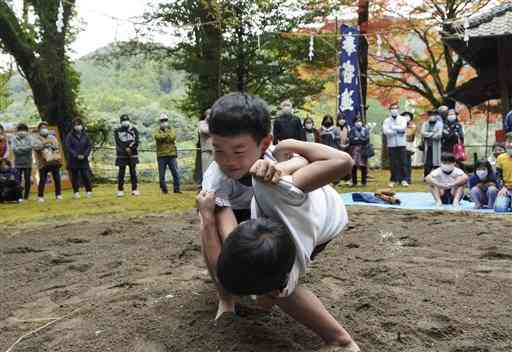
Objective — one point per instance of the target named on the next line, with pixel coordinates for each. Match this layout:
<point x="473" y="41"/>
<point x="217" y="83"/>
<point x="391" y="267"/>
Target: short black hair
<point x="22" y="127"/>
<point x="77" y="121"/>
<point x="408" y="113"/>
<point x="256" y="258"/>
<point x="239" y="113"/>
<point x="484" y="164"/>
<point x="41" y="124"/>
<point x="448" y="158"/>
<point x="124" y="117"/>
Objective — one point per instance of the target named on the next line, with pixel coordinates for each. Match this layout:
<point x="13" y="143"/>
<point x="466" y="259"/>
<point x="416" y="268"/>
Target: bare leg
<point x="307" y="309"/>
<point x="457" y="193"/>
<point x="436" y="193"/>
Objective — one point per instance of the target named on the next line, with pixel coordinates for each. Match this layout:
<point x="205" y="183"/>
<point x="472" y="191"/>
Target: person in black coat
<point x="78" y="146"/>
<point x="127" y="144"/>
<point x="287" y="125"/>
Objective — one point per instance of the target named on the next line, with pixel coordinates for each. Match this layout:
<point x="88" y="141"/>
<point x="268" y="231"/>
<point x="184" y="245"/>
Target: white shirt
<point x="229" y="192"/>
<point x="394" y="129"/>
<point x="444" y="178"/>
<point x="312" y="218"/>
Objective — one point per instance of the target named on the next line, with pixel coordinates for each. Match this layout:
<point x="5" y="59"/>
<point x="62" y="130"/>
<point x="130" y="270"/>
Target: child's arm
<point x="326" y="164"/>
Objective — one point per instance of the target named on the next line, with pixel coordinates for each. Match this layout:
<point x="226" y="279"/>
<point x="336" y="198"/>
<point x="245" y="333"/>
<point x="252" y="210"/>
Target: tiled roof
<point x="496" y="22"/>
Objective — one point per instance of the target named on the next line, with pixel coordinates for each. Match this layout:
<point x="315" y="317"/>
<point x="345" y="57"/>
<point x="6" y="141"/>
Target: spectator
<point x="127" y="144"/>
<point x="432" y="133"/>
<point x="497" y="150"/>
<point x="344" y="128"/>
<point x="22" y="146"/>
<point x="410" y="146"/>
<point x="329" y="134"/>
<point x="167" y="153"/>
<point x="287" y="125"/>
<point x="504" y="178"/>
<point x="359" y="139"/>
<point x="443" y="113"/>
<point x="78" y="146"/>
<point x="4" y="144"/>
<point x="482" y="185"/>
<point x="394" y="129"/>
<point x="507" y="122"/>
<point x="49" y="160"/>
<point x="447" y="182"/>
<point x="10" y="189"/>
<point x="312" y="134"/>
<point x="453" y="132"/>
<point x="205" y="146"/>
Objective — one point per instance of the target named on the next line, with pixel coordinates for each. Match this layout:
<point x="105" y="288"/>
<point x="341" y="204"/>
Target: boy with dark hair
<point x="447" y="182"/>
<point x="280" y="252"/>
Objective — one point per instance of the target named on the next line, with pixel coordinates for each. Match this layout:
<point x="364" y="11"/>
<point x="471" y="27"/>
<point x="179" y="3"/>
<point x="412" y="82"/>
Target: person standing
<point x="329" y="134"/>
<point x="287" y="126"/>
<point x="359" y="139"/>
<point x="49" y="160"/>
<point x="410" y="146"/>
<point x="167" y="153"/>
<point x="10" y="189"/>
<point x="344" y="129"/>
<point x="394" y="128"/>
<point x="312" y="134"/>
<point x="22" y="146"/>
<point x="453" y="132"/>
<point x="127" y="144"/>
<point x="78" y="146"/>
<point x="432" y="132"/>
<point x="4" y="144"/>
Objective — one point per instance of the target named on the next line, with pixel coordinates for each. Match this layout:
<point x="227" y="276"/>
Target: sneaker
<point x="178" y="191"/>
<point x="88" y="194"/>
<point x="120" y="193"/>
<point x="59" y="198"/>
<point x="135" y="193"/>
<point x="40" y="199"/>
<point x="20" y="200"/>
<point x="405" y="184"/>
<point x="76" y="195"/>
<point x="391" y="184"/>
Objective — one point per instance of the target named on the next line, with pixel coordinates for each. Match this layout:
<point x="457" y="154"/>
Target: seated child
<point x="504" y="176"/>
<point x="293" y="221"/>
<point x="447" y="182"/>
<point x="10" y="190"/>
<point x="482" y="185"/>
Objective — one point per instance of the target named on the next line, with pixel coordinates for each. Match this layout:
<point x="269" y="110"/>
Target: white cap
<point x="163" y="116"/>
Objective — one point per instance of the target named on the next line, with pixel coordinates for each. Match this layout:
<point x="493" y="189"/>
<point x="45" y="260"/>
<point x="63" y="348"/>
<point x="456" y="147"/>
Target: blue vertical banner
<point x="349" y="99"/>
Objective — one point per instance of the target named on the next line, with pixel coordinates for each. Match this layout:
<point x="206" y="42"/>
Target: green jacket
<point x="165" y="142"/>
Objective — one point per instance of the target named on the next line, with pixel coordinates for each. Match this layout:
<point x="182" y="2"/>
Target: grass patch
<point x="103" y="203"/>
<point x="379" y="179"/>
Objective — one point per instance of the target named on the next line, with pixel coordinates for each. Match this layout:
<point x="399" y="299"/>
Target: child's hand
<point x="206" y="202"/>
<point x="267" y="170"/>
<point x="503" y="192"/>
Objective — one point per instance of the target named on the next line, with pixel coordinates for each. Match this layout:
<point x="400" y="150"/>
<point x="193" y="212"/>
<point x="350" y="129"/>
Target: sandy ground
<point x="397" y="280"/>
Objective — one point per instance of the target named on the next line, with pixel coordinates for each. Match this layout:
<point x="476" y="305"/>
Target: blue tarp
<point x="417" y="201"/>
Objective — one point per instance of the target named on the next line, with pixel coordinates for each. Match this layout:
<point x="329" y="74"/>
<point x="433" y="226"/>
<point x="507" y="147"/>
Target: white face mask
<point x="43" y="132"/>
<point x="22" y="134"/>
<point x="164" y="124"/>
<point x="359" y="124"/>
<point x="448" y="168"/>
<point x="308" y="126"/>
<point x="79" y="128"/>
<point x="452" y="118"/>
<point x="394" y="112"/>
<point x="482" y="174"/>
<point x="342" y="122"/>
<point x="125" y="123"/>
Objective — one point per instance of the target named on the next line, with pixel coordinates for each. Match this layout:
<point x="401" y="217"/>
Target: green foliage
<point x="5" y="98"/>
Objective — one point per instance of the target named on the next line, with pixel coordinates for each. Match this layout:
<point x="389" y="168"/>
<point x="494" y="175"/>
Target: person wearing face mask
<point x="359" y="139"/>
<point x="504" y="177"/>
<point x="4" y="144"/>
<point x="329" y="134"/>
<point x="127" y="144"/>
<point x="312" y="134"/>
<point x="410" y="137"/>
<point x="447" y="182"/>
<point x="497" y="150"/>
<point x="78" y="146"/>
<point x="482" y="185"/>
<point x="22" y="146"/>
<point x="344" y="129"/>
<point x="394" y="129"/>
<point x="432" y="133"/>
<point x="10" y="189"/>
<point x="166" y="151"/>
<point x="287" y="126"/>
<point x="453" y="132"/>
<point x="443" y="113"/>
<point x="49" y="160"/>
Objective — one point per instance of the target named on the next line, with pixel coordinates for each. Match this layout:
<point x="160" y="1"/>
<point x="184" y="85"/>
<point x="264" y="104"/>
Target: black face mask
<point x="328" y="124"/>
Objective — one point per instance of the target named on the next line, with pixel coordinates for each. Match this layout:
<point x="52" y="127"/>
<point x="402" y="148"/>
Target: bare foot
<point x="352" y="347"/>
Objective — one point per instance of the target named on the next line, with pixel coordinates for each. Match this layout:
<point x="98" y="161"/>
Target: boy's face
<point x="236" y="155"/>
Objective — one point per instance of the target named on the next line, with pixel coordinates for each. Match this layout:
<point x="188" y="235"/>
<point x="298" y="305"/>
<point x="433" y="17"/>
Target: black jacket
<point x="287" y="126"/>
<point x="78" y="144"/>
<point x="126" y="138"/>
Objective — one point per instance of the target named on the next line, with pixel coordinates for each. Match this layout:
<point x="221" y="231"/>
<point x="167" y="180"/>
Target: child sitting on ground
<point x="10" y="190"/>
<point x="283" y="245"/>
<point x="447" y="182"/>
<point x="482" y="185"/>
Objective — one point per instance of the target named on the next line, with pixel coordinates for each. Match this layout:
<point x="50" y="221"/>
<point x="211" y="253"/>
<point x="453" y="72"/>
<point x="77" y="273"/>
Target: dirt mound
<point x="398" y="281"/>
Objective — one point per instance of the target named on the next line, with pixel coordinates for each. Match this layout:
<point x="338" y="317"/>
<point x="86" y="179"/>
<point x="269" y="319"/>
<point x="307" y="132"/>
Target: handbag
<point x="459" y="152"/>
<point x="51" y="157"/>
